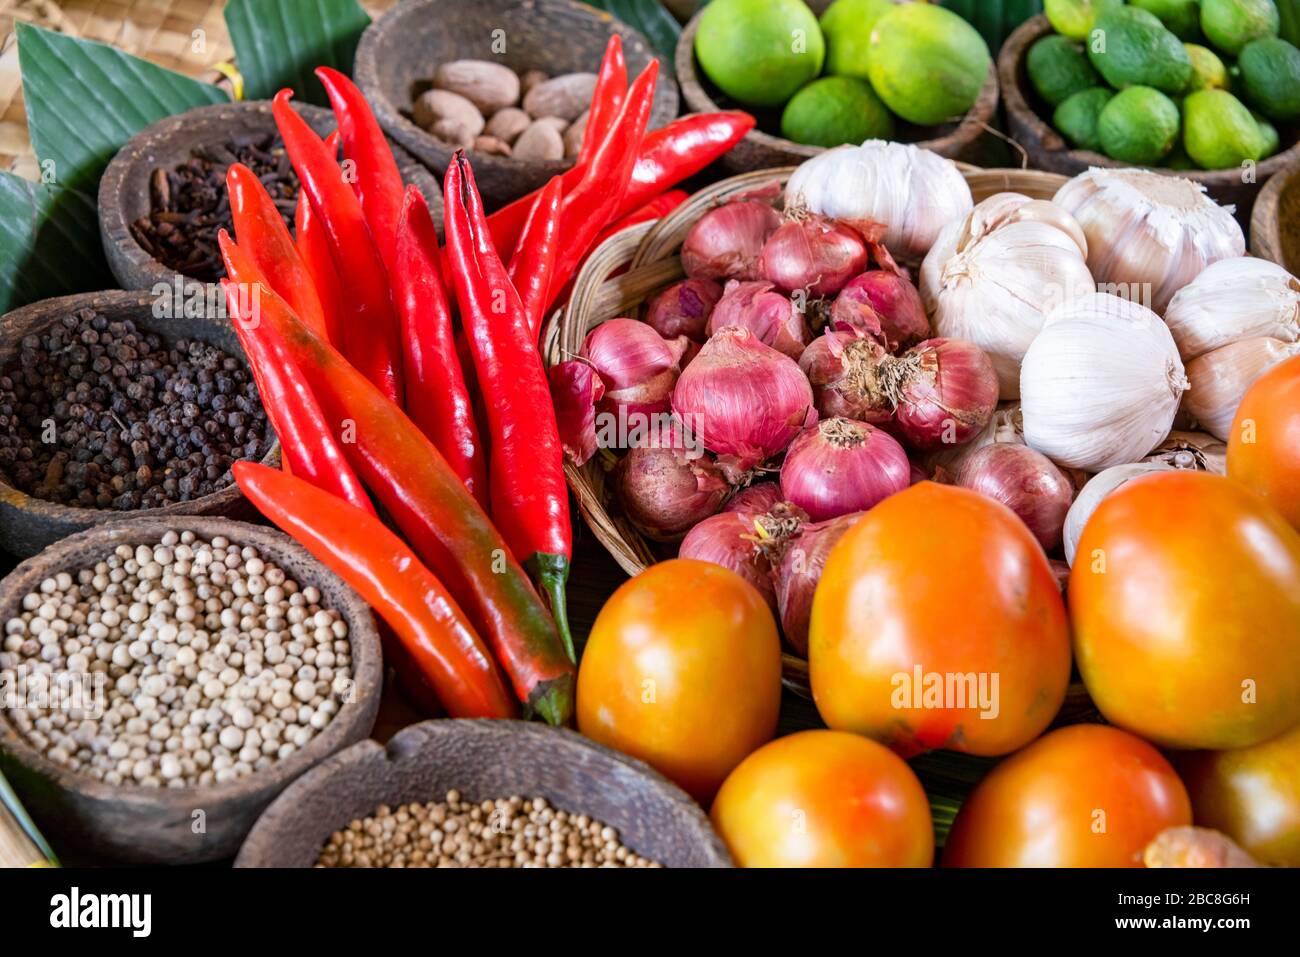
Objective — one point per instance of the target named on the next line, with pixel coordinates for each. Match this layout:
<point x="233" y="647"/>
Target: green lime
<point x="759" y="51"/>
<point x="927" y="63"/>
<point x="1208" y="71"/>
<point x="836" y="110"/>
<point x="1133" y="48"/>
<point x="1218" y="130"/>
<point x="1058" y="68"/>
<point x="1077" y="117"/>
<point x="1272" y="141"/>
<point x="846" y="25"/>
<point x="1182" y="17"/>
<point x="1270" y="76"/>
<point x="1139" y="125"/>
<point x="1075" y="18"/>
<point x="1231" y="24"/>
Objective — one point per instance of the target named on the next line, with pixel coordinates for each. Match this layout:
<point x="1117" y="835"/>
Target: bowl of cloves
<point x="162" y="199"/>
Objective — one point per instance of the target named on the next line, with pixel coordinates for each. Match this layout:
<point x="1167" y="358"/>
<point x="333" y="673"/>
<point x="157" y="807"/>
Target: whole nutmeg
<point x="489" y="86"/>
<point x="559" y="123"/>
<point x="563" y="96"/>
<point x="438" y="106"/>
<point x="530" y="78"/>
<point x="541" y="141"/>
<point x="507" y="124"/>
<point x="491" y="145"/>
<point x="573" y="135"/>
<point x="455" y="132"/>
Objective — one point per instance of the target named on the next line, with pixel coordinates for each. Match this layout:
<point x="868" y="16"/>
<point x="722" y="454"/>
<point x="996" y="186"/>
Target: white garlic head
<point x="1235" y="299"/>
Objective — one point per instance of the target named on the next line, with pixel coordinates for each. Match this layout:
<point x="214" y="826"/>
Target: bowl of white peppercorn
<point x="163" y="680"/>
<point x="480" y="793"/>
<point x="113" y="405"/>
<point x="481" y="71"/>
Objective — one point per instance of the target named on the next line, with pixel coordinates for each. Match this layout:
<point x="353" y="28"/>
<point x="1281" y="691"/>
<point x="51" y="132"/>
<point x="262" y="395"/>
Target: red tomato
<point x="938" y="623"/>
<point x="683" y="670"/>
<point x="1185" y="600"/>
<point x="1082" y="796"/>
<point x="1264" y="447"/>
<point x="825" y="799"/>
<point x="1252" y="795"/>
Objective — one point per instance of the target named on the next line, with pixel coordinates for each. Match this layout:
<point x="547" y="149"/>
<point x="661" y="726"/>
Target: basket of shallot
<point x="739" y="381"/>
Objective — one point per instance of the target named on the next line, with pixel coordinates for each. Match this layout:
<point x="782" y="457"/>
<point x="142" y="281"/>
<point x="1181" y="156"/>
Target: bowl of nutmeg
<point x="514" y="95"/>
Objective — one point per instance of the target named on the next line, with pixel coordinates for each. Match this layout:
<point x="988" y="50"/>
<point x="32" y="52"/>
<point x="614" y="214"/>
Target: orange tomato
<point x="1082" y="796"/>
<point x="825" y="799"/>
<point x="683" y="670"/>
<point x="938" y="623"/>
<point x="1264" y="447"/>
<point x="1185" y="600"/>
<point x="1252" y="795"/>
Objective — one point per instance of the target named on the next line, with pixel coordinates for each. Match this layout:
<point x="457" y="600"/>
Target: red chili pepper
<point x="667" y="156"/>
<point x="606" y="99"/>
<point x="314" y="248"/>
<point x="440" y="641"/>
<point x="437" y="399"/>
<point x="370" y="338"/>
<point x="530" y="501"/>
<point x="379" y="183"/>
<point x="533" y="261"/>
<point x="438" y="516"/>
<point x="306" y="440"/>
<point x="260" y="227"/>
<point x="593" y="203"/>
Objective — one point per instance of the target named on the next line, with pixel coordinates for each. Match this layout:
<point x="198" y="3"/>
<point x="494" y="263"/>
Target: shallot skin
<point x="884" y="304"/>
<point x="839" y="466"/>
<point x="813" y="254"/>
<point x="683" y="309"/>
<point x="725" y="243"/>
<point x="947" y="394"/>
<point x="1025" y="481"/>
<point x="768" y="314"/>
<point x="795" y="577"/>
<point x="665" y="493"/>
<point x="729" y="539"/>
<point x="845" y="371"/>
<point x="638" y="366"/>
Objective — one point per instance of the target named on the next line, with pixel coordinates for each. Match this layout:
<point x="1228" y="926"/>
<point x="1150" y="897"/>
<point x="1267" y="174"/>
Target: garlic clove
<point x="1220" y="379"/>
<point x="1090" y="496"/>
<point x="1235" y="299"/>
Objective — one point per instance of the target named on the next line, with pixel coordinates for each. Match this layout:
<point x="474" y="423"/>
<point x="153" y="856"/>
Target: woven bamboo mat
<point x="188" y="36"/>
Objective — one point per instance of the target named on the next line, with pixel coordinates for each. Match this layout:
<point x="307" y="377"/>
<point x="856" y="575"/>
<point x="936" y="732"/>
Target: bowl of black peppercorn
<point x="162" y="199"/>
<point x="115" y="405"/>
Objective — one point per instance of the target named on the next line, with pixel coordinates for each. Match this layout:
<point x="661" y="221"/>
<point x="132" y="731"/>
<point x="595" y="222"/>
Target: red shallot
<point x="575" y="390"/>
<point x="795" y="577"/>
<point x="725" y="243"/>
<point x="845" y="370"/>
<point x="840" y="466"/>
<point x="744" y="400"/>
<point x="1025" y="481"/>
<point x="665" y="492"/>
<point x="683" y="309"/>
<point x="813" y="254"/>
<point x="884" y="305"/>
<point x="758" y="307"/>
<point x="945" y="392"/>
<point x="758" y="498"/>
<point x="730" y="539"/>
<point x="638" y="366"/>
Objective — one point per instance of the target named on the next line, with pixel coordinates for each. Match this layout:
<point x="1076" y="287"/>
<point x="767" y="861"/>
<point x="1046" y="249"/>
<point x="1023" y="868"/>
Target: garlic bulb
<point x="1192" y="452"/>
<point x="1234" y="299"/>
<point x="1220" y="379"/>
<point x="992" y="278"/>
<point x="1100" y="385"/>
<point x="1090" y="496"/>
<point x="1149" y="234"/>
<point x="911" y="192"/>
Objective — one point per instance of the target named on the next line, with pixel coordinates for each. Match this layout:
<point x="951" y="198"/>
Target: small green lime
<point x="927" y="63"/>
<point x="1057" y="68"/>
<point x="1208" y="71"/>
<point x="1075" y="18"/>
<point x="1231" y="24"/>
<point x="1077" y="117"/>
<point x="846" y="25"/>
<point x="1133" y="48"/>
<point x="1270" y="76"/>
<point x="759" y="51"/>
<point x="1218" y="130"/>
<point x="1139" y="125"/>
<point x="1182" y="17"/>
<point x="1272" y="141"/>
<point x="836" y="110"/>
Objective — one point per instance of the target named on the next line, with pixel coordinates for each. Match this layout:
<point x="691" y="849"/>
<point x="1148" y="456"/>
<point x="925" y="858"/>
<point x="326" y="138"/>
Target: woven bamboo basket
<point x="1275" y="223"/>
<point x="632" y="265"/>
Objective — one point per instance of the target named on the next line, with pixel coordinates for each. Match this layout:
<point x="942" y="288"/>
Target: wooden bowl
<point x="759" y="150"/>
<point x="1049" y="150"/>
<point x="28" y="524"/>
<point x="631" y="266"/>
<point x="485" y="760"/>
<point x="124" y="188"/>
<point x="1275" y="222"/>
<point x="158" y="825"/>
<point x="399" y="52"/>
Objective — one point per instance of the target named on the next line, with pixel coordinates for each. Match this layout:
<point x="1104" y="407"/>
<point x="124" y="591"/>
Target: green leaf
<point x="650" y="17"/>
<point x="85" y="100"/>
<point x="49" y="243"/>
<point x="280" y="44"/>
